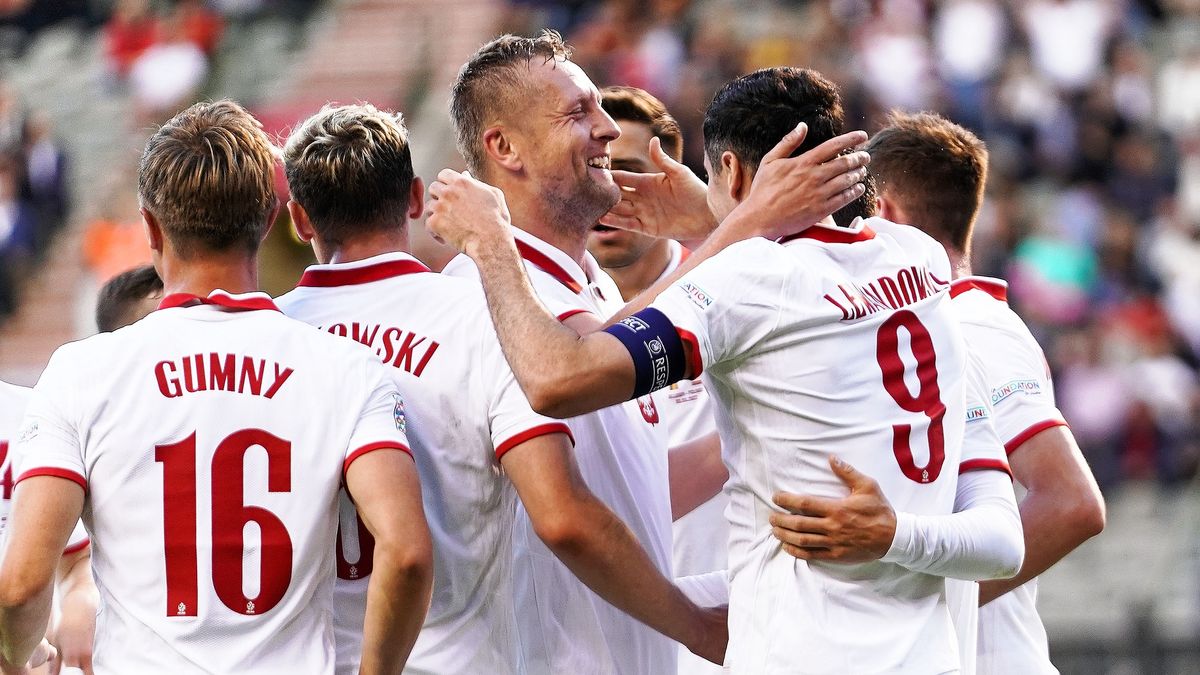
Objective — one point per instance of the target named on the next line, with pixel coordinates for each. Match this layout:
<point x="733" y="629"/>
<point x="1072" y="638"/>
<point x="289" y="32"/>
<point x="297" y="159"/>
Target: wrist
<point x="901" y="547"/>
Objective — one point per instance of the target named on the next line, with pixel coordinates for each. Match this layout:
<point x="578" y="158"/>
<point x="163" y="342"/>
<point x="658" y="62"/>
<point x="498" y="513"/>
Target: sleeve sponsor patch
<point x="1029" y="387"/>
<point x="976" y="413"/>
<point x="697" y="295"/>
<point x="398" y="414"/>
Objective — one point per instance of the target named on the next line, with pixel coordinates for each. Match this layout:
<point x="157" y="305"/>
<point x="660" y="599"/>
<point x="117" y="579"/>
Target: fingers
<point x="801" y="539"/>
<point x="835" y="146"/>
<point x="804" y="524"/>
<point x="629" y="181"/>
<point x="851" y="164"/>
<point x="804" y="505"/>
<point x="844" y="197"/>
<point x="621" y="221"/>
<point x="787" y="145"/>
<point x="856" y="480"/>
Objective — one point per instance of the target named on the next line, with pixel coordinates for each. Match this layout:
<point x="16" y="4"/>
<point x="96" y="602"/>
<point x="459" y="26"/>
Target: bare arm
<point x="385" y="489"/>
<point x="697" y="473"/>
<point x="1062" y="509"/>
<point x="75" y="631"/>
<point x="599" y="549"/>
<point x="45" y="510"/>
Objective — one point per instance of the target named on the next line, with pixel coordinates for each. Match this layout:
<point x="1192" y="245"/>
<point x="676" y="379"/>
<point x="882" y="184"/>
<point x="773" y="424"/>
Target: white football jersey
<point x="1011" y="636"/>
<point x="834" y="341"/>
<point x="205" y="417"/>
<point x="13" y="400"/>
<point x="621" y="450"/>
<point x="701" y="537"/>
<point x="465" y="411"/>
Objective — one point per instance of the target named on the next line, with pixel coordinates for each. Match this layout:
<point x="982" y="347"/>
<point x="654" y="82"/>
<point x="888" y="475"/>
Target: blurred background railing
<point x="1091" y="110"/>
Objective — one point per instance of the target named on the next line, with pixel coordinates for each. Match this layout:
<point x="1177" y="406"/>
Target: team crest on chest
<point x="649" y="410"/>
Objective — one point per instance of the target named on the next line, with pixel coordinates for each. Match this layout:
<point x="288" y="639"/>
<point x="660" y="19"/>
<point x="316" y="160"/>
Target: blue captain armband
<point x="656" y="349"/>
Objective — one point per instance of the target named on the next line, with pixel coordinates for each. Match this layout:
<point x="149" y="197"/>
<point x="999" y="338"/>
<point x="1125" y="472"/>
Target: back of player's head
<point x="630" y="104"/>
<point x="750" y="114"/>
<point x="934" y="170"/>
<point x="208" y="178"/>
<point x="351" y="169"/>
<point x="125" y="298"/>
<point x="490" y="84"/>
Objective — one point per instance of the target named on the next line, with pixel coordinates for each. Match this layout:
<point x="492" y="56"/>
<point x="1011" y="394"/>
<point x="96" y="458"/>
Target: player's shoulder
<point x="13" y="396"/>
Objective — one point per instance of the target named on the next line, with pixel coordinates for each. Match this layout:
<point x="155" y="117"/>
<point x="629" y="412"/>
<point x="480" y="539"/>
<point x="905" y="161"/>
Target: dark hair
<point x="488" y="84"/>
<point x="121" y="294"/>
<point x="935" y="171"/>
<point x="636" y="105"/>
<point x="863" y="207"/>
<point x="208" y="177"/>
<point x="351" y="169"/>
<point x="749" y="115"/>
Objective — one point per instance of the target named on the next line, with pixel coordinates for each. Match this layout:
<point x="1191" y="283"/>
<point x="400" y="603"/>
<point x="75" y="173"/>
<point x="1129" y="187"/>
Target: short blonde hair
<point x="351" y="169"/>
<point x="208" y="177"/>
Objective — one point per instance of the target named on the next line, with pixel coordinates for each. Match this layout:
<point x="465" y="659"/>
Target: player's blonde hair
<point x="208" y="177"/>
<point x="351" y="169"/>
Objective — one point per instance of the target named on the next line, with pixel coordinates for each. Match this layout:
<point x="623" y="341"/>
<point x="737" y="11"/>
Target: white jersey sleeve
<point x="720" y="326"/>
<point x="1021" y="392"/>
<point x="48" y="443"/>
<point x="511" y="420"/>
<point x="381" y="423"/>
<point x="982" y="448"/>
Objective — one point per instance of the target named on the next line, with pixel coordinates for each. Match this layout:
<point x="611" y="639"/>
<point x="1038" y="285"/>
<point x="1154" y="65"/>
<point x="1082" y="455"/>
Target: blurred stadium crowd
<point x="1091" y="110"/>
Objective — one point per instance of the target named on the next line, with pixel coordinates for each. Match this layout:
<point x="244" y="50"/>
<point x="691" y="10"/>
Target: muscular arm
<point x="45" y="510"/>
<point x="1062" y="508"/>
<point x="75" y="630"/>
<point x="697" y="473"/>
<point x="385" y="489"/>
<point x="600" y="550"/>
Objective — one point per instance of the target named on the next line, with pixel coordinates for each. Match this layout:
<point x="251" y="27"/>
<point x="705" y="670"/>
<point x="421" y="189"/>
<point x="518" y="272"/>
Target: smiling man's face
<point x="615" y="248"/>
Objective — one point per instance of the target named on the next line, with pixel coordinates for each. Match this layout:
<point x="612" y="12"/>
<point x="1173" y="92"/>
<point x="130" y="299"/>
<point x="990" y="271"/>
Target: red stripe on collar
<point x="350" y="276"/>
<point x="993" y="288"/>
<point x="256" y="302"/>
<point x="545" y="264"/>
<point x="830" y="235"/>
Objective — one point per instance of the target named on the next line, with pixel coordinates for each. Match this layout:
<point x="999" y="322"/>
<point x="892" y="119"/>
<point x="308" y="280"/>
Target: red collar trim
<point x="544" y="263"/>
<point x="350" y="276"/>
<point x="993" y="287"/>
<point x="249" y="302"/>
<point x="830" y="235"/>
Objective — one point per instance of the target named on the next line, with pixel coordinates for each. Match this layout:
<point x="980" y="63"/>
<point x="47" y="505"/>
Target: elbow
<point x="18" y="591"/>
<point x="411" y="562"/>
<point x="548" y="397"/>
<point x="1009" y="563"/>
<point x="1088" y="515"/>
<point x="562" y="533"/>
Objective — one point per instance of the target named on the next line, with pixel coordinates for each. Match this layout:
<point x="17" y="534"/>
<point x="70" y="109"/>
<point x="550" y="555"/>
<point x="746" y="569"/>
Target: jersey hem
<point x="985" y="465"/>
<point x="372" y="447"/>
<point x="532" y="433"/>
<point x="1020" y="439"/>
<point x="570" y="313"/>
<point x="54" y="472"/>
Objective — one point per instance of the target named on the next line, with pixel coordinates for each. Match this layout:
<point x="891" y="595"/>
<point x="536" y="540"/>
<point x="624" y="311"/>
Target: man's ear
<point x="300" y="222"/>
<point x="154" y="233"/>
<point x="271" y="218"/>
<point x="499" y="146"/>
<point x="416" y="198"/>
<point x="738" y="185"/>
<point x="888" y="209"/>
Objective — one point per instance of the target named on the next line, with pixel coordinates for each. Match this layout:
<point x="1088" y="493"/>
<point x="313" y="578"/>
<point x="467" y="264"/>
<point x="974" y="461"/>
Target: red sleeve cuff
<point x="55" y="472"/>
<point x="570" y="313"/>
<point x="530" y="434"/>
<point x="1020" y="439"/>
<point x="372" y="447"/>
<point x="985" y="465"/>
<point x="696" y="363"/>
<point x="77" y="547"/>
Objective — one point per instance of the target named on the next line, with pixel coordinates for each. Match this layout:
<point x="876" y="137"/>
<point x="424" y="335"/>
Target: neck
<point x="636" y="277"/>
<point x="391" y="240"/>
<point x="960" y="263"/>
<point x="562" y="231"/>
<point x="201" y="276"/>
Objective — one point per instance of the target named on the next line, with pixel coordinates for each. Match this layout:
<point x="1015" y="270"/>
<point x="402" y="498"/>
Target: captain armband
<point x="656" y="349"/>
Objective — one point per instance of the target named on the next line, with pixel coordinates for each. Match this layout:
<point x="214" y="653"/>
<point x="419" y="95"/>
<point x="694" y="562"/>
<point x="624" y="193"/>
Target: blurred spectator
<point x="168" y="75"/>
<point x="17" y="236"/>
<point x="130" y="31"/>
<point x="1068" y="38"/>
<point x="116" y="240"/>
<point x="199" y="25"/>
<point x="45" y="177"/>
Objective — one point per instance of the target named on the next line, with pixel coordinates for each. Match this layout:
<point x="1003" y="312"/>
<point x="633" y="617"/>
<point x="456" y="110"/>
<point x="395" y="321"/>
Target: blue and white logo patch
<point x="976" y="413"/>
<point x="1030" y="387"/>
<point x="28" y="432"/>
<point x="398" y="414"/>
<point x="697" y="295"/>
